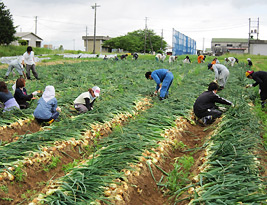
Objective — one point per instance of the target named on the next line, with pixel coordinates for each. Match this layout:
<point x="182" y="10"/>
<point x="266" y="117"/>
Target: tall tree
<point x="7" y="29"/>
<point x="135" y="41"/>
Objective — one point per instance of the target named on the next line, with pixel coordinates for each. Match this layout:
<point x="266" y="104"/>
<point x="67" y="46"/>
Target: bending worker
<point x="163" y="76"/>
<point x="17" y="63"/>
<point x="261" y="79"/>
<point x="205" y="108"/>
<point x="231" y="60"/>
<point x="221" y="74"/>
<point x="85" y="101"/>
<point x="201" y="59"/>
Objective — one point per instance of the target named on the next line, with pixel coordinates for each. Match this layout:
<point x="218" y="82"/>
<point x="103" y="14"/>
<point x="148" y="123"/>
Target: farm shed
<point x="31" y="38"/>
<point x="99" y="40"/>
<point x="258" y="47"/>
<point x="231" y="45"/>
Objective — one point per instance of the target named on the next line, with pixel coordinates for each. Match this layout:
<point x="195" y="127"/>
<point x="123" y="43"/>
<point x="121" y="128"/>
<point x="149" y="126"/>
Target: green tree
<point x="135" y="42"/>
<point x="7" y="29"/>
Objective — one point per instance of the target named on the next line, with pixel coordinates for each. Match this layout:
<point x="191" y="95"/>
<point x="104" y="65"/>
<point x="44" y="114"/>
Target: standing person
<point x="163" y="76"/>
<point x="187" y="60"/>
<point x="84" y="102"/>
<point x="261" y="79"/>
<point x="47" y="109"/>
<point x="21" y="94"/>
<point x="231" y="60"/>
<point x="172" y="59"/>
<point x="201" y="59"/>
<point x="249" y="62"/>
<point x="221" y="74"/>
<point x="17" y="63"/>
<point x="135" y="56"/>
<point x="30" y="63"/>
<point x="204" y="106"/>
<point x="7" y="98"/>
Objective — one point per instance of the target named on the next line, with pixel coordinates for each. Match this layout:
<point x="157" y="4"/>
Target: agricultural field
<point x="133" y="148"/>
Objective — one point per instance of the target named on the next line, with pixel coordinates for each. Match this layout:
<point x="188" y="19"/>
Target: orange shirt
<point x="213" y="62"/>
<point x="200" y="58"/>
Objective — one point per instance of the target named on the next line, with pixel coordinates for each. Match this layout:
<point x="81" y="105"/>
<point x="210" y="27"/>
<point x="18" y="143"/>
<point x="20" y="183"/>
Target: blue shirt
<point x="159" y="75"/>
<point x="45" y="109"/>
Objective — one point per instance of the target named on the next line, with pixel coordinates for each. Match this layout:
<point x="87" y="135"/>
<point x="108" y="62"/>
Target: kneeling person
<point x="205" y="108"/>
<point x="84" y="102"/>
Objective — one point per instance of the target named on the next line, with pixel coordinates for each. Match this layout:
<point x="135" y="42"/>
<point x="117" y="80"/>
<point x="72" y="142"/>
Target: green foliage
<point x="7" y="199"/>
<point x="178" y="177"/>
<point x="7" y="29"/>
<point x="135" y="41"/>
<point x="66" y="168"/>
<point x="19" y="173"/>
<point x="53" y="164"/>
<point x="4" y="188"/>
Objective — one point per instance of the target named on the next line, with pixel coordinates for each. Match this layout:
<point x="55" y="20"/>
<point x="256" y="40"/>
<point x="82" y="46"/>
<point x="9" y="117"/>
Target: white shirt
<point x="80" y="98"/>
<point x="29" y="58"/>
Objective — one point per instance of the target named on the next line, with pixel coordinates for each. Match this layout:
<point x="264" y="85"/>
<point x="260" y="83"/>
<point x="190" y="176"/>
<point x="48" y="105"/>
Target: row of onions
<point x="231" y="174"/>
<point x="122" y="150"/>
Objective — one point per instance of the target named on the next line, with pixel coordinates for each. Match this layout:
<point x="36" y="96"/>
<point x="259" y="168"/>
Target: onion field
<point x="133" y="148"/>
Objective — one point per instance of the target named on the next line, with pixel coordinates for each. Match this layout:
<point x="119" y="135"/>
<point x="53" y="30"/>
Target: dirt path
<point x="143" y="189"/>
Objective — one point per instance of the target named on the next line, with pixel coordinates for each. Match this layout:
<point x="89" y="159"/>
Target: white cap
<point x="96" y="90"/>
<point x="248" y="59"/>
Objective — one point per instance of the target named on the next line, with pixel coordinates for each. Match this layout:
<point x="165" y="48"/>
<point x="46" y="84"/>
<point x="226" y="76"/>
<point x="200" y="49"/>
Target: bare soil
<point x="143" y="190"/>
<point x="12" y="133"/>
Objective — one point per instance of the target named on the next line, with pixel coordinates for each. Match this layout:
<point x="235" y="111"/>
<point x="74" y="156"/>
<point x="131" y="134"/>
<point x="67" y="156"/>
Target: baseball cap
<point x="96" y="90"/>
<point x="248" y="59"/>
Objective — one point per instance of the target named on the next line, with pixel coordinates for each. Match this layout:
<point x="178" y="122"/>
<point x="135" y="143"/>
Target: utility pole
<point x="35" y="25"/>
<point x="203" y="44"/>
<point x="253" y="29"/>
<point x="145" y="35"/>
<point x="161" y="39"/>
<point x="94" y="7"/>
<point x="86" y="45"/>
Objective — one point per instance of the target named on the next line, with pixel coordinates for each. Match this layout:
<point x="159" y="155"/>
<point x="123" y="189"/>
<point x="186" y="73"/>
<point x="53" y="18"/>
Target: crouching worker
<point x="7" y="98"/>
<point x="261" y="79"/>
<point x="205" y="108"/>
<point x="84" y="102"/>
<point x="21" y="94"/>
<point x="47" y="109"/>
<point x="163" y="76"/>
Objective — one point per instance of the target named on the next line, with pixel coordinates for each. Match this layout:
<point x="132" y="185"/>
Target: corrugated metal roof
<point x="229" y="40"/>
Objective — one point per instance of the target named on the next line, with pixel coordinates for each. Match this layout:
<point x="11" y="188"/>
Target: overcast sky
<point x="64" y="22"/>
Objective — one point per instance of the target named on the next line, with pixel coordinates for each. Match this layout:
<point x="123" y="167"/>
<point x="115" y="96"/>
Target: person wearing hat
<point x="221" y="74"/>
<point x="249" y="62"/>
<point x="47" y="109"/>
<point x="204" y="106"/>
<point x="261" y="79"/>
<point x="163" y="79"/>
<point x="84" y="102"/>
<point x="201" y="58"/>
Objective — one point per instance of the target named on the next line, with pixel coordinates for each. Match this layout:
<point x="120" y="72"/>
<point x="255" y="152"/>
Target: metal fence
<point x="182" y="44"/>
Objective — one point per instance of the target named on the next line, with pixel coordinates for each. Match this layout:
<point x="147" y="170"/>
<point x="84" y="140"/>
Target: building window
<point x="217" y="44"/>
<point x="229" y="45"/>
